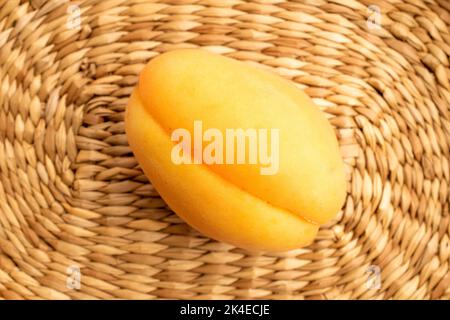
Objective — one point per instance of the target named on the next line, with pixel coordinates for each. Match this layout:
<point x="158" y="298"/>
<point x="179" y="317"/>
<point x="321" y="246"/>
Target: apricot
<point x="225" y="200"/>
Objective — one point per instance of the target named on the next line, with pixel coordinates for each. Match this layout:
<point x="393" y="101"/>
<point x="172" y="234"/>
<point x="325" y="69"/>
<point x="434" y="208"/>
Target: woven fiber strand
<point x="72" y="196"/>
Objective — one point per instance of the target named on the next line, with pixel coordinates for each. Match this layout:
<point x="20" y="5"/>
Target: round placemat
<point x="78" y="219"/>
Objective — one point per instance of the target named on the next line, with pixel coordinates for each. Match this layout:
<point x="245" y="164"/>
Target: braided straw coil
<point x="73" y="198"/>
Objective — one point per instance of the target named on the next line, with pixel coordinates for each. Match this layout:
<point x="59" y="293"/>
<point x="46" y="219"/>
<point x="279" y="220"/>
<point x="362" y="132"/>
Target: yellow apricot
<point x="235" y="202"/>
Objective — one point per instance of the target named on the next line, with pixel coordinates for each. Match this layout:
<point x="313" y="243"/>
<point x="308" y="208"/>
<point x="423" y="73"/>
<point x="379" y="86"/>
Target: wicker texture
<point x="72" y="194"/>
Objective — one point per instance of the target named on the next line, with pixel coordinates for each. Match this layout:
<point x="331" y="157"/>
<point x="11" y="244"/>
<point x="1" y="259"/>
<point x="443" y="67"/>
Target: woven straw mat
<point x="75" y="205"/>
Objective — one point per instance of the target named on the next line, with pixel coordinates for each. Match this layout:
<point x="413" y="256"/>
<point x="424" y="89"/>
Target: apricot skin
<point x="235" y="203"/>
